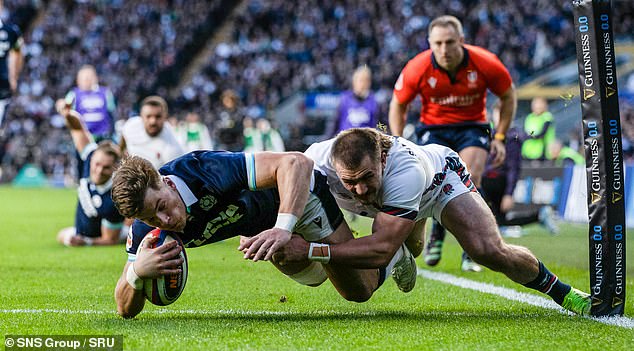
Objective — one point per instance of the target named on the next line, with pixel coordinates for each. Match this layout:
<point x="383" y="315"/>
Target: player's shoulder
<point x="481" y="56"/>
<point x="132" y="123"/>
<point x="402" y="153"/>
<point x="320" y="152"/>
<point x="193" y="164"/>
<point x="421" y="61"/>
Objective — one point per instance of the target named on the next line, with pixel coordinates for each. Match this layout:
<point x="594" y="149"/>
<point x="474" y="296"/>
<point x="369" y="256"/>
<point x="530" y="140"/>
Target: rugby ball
<point x="164" y="290"/>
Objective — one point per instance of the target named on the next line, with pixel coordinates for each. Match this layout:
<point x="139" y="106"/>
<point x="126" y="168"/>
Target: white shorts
<point x="451" y="180"/>
<point x="320" y="219"/>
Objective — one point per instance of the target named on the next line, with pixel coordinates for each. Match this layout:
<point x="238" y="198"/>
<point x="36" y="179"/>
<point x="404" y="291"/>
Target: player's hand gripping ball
<point x="166" y="289"/>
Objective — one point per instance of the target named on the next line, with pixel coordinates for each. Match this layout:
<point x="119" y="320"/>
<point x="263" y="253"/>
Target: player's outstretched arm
<point x="291" y="173"/>
<point x="80" y="135"/>
<point x="149" y="263"/>
<point x="130" y="301"/>
<point x="373" y="251"/>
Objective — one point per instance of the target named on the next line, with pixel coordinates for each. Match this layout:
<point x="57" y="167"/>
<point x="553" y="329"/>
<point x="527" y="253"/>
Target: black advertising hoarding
<point x="613" y="155"/>
<point x="604" y="169"/>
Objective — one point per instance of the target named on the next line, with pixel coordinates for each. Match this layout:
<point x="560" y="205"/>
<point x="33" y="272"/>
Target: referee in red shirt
<point x="452" y="79"/>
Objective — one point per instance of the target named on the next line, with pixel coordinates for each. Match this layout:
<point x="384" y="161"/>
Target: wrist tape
<point x="286" y="221"/>
<point x="133" y="279"/>
<point x="319" y="252"/>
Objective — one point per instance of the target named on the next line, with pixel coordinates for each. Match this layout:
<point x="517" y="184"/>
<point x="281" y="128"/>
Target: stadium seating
<point x="276" y="48"/>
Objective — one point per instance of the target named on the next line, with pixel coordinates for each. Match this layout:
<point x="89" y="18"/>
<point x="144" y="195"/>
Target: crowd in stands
<point x="276" y="49"/>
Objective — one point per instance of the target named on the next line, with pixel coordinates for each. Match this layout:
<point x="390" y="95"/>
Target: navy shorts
<point x="456" y="138"/>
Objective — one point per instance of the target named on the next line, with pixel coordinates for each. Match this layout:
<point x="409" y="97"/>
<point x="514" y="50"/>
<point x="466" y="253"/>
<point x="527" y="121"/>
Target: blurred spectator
<point x="271" y="139"/>
<point x="94" y="103"/>
<point x="539" y="125"/>
<point x="251" y="136"/>
<point x="229" y="135"/>
<point x="276" y="49"/>
<point x="11" y="61"/>
<point x="564" y="155"/>
<point x="357" y="107"/>
<point x="193" y="134"/>
<point x="498" y="185"/>
<point x="261" y="137"/>
<point x="149" y="136"/>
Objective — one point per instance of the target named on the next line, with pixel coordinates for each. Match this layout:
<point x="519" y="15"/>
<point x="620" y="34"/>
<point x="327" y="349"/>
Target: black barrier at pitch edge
<point x="613" y="155"/>
<point x="601" y="164"/>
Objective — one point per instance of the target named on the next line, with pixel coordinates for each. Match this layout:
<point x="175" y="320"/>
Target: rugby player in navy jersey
<point x="11" y="62"/>
<point x="209" y="196"/>
<point x="97" y="221"/>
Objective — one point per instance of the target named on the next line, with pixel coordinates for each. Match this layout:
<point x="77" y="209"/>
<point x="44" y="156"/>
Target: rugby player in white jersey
<point x="401" y="184"/>
<point x="149" y="136"/>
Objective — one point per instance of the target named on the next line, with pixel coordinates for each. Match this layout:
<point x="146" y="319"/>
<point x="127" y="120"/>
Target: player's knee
<point x="313" y="275"/>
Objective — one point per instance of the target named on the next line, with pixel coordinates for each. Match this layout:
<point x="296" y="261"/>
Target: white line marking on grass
<point x="487" y="288"/>
<point x="514" y="295"/>
<point x="220" y="313"/>
<point x="50" y="310"/>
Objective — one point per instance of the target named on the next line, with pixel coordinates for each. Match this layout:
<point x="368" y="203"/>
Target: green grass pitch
<point x="232" y="304"/>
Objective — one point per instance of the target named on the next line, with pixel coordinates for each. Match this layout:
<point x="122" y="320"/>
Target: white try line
<point x="487" y="288"/>
<point x="514" y="295"/>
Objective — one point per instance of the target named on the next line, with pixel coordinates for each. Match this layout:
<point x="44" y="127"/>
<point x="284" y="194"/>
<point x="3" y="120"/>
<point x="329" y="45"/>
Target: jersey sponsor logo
<point x="92" y="102"/>
<point x="224" y="218"/>
<point x="207" y="202"/>
<point x="399" y="82"/>
<point x="358" y="116"/>
<point x="432" y="82"/>
<point x="456" y="100"/>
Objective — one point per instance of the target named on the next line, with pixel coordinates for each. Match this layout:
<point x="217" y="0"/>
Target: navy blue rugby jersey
<point x="214" y="185"/>
<point x="94" y="206"/>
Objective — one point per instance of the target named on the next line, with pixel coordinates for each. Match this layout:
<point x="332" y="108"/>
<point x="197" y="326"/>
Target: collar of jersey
<point x="183" y="190"/>
<point x="102" y="188"/>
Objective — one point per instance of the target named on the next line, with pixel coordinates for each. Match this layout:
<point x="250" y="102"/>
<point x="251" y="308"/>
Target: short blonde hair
<point x="130" y="183"/>
<point x="446" y="21"/>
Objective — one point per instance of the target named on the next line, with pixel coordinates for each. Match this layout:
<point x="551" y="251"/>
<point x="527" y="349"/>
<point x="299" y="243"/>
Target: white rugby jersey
<point x="407" y="178"/>
<point x="158" y="150"/>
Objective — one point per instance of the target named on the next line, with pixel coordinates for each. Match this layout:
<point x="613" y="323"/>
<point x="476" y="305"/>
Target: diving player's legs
<point x="475" y="157"/>
<point x="472" y="223"/>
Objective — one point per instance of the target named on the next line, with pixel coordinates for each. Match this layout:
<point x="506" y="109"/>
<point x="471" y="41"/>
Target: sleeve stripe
<point x="250" y="162"/>
<point x="400" y="212"/>
<point x="111" y="225"/>
<point x="87" y="150"/>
